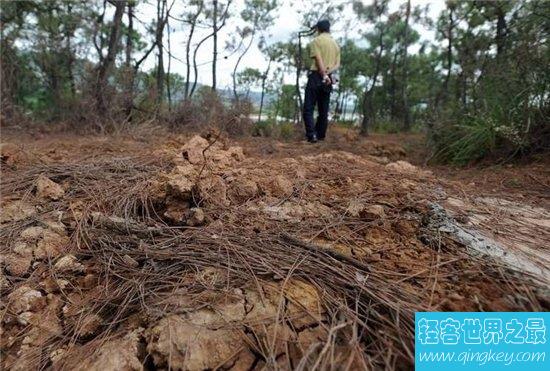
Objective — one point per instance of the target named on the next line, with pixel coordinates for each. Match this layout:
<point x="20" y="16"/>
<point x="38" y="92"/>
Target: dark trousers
<point x="317" y="94"/>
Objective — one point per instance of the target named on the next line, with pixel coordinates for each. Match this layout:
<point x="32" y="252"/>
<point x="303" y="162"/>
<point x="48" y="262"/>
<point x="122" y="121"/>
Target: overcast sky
<point x="286" y="24"/>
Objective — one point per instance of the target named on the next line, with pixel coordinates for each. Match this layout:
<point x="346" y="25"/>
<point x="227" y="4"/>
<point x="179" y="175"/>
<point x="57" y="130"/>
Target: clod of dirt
<point x="294" y="212"/>
<point x="242" y="189"/>
<point x="41" y="243"/>
<point x="179" y="186"/>
<point x="25" y="299"/>
<point x="193" y="149"/>
<point x="88" y="325"/>
<point x="195" y="217"/>
<point x="16" y="211"/>
<point x="18" y="265"/>
<point x="178" y="344"/>
<point x="10" y="154"/>
<point x="114" y="355"/>
<point x="279" y="186"/>
<point x="213" y="190"/>
<point x="48" y="189"/>
<point x="176" y="210"/>
<point x="373" y="212"/>
<point x="402" y="167"/>
<point x="4" y="283"/>
<point x="69" y="264"/>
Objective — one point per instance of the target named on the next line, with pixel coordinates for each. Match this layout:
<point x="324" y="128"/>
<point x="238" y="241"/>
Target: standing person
<point x="325" y="55"/>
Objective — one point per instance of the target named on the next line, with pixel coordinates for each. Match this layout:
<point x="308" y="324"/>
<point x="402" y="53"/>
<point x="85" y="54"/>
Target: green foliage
<point x="466" y="142"/>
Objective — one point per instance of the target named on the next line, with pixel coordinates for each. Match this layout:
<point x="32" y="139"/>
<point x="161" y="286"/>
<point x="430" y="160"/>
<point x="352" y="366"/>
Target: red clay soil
<point x="201" y="252"/>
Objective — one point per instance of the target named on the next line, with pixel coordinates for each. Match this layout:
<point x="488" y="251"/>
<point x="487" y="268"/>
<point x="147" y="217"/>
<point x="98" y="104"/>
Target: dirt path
<point x="204" y="252"/>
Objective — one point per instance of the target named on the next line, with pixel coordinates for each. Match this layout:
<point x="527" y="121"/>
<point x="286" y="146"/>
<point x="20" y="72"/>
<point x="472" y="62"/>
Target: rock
<point x="48" y="189"/>
<point x="304" y="303"/>
<point x="69" y="264"/>
<point x="195" y="217"/>
<point x="193" y="149"/>
<point x="25" y="299"/>
<point x="355" y="207"/>
<point x="49" y="284"/>
<point x="16" y="211"/>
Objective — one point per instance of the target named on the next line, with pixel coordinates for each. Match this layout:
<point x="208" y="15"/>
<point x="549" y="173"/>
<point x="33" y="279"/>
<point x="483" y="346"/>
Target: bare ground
<point x="179" y="252"/>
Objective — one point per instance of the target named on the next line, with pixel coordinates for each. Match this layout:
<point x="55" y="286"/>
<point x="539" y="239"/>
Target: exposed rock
<point x="48" y="189"/>
<point x="16" y="211"/>
<point x="69" y="264"/>
<point x="278" y="186"/>
<point x="304" y="303"/>
<point x="296" y="212"/>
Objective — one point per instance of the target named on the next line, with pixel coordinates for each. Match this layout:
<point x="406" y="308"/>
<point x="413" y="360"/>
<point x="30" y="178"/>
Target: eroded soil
<point x="201" y="252"/>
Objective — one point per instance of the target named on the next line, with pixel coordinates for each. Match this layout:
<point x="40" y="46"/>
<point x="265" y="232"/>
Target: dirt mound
<point x="202" y="257"/>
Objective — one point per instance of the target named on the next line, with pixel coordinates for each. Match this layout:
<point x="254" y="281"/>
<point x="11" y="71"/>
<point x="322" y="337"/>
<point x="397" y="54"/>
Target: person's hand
<point x="326" y="79"/>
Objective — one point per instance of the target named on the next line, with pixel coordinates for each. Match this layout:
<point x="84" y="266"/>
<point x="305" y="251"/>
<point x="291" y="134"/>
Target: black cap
<point x="323" y="25"/>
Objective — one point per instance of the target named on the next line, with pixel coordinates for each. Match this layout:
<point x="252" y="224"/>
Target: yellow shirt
<point x="325" y="47"/>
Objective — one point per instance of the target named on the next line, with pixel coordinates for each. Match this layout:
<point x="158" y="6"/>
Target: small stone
<point x="18" y="265"/>
<point x="195" y="217"/>
<point x="69" y="264"/>
<point x="16" y="211"/>
<point x="129" y="261"/>
<point x="25" y="299"/>
<point x="24" y="318"/>
<point x="46" y="188"/>
<point x="32" y="233"/>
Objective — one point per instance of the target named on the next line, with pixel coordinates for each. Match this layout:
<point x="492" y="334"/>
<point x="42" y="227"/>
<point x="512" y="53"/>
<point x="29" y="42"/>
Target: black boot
<point x="312" y="139"/>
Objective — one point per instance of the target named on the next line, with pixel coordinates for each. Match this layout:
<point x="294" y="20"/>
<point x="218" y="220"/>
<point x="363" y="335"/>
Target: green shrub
<point x="466" y="142"/>
<point x="286" y="130"/>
